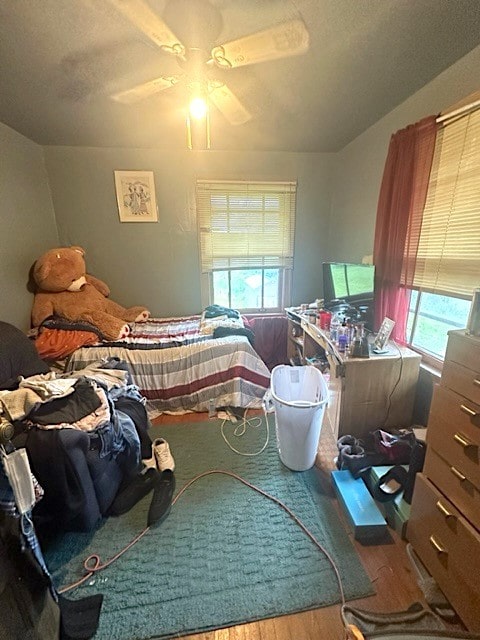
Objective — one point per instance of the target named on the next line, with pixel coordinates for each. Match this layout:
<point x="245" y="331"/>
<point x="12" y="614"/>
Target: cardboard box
<point x="363" y="515"/>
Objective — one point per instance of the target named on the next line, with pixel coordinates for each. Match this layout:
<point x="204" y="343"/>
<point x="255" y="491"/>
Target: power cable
<point x="389" y="401"/>
<point x="241" y="429"/>
<point x="93" y="564"/>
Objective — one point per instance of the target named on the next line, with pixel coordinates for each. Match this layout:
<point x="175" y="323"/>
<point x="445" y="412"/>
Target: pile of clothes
<point x="85" y="432"/>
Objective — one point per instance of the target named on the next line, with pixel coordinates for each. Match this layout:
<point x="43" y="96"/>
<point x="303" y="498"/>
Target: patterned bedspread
<point x="178" y="367"/>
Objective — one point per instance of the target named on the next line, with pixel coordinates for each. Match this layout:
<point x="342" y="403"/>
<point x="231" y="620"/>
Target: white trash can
<point x="299" y="396"/>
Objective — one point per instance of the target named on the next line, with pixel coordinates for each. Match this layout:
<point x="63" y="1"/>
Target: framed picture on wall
<point x="136" y="196"/>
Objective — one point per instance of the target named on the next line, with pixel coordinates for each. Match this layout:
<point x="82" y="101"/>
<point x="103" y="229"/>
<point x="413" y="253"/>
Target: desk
<point x="365" y="393"/>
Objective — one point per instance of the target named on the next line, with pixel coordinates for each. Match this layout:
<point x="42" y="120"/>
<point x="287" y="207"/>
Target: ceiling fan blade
<point x="228" y="103"/>
<point x="140" y="14"/>
<point x="145" y="90"/>
<point x="287" y="39"/>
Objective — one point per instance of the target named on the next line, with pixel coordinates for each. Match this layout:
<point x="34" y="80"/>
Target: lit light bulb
<point x="198" y="108"/>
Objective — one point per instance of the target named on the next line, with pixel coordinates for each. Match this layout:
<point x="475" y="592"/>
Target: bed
<point x="181" y="364"/>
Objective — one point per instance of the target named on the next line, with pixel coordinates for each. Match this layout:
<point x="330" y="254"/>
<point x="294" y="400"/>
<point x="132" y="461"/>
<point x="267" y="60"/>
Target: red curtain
<point x="399" y="214"/>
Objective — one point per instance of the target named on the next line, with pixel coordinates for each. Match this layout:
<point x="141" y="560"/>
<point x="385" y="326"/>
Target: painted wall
<point x="156" y="264"/>
<point x="27" y="222"/>
<point x="359" y="166"/>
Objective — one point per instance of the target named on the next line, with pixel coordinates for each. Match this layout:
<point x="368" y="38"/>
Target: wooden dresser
<point x="444" y="525"/>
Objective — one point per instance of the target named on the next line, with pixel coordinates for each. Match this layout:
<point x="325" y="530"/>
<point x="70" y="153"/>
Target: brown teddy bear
<point x="65" y="289"/>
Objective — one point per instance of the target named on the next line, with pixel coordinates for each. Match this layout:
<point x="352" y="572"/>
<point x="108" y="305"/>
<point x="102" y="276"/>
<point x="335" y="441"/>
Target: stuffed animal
<point x="65" y="289"/>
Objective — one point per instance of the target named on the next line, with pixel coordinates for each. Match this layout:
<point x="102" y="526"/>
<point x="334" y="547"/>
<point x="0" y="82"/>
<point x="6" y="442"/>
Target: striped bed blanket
<point x="179" y="366"/>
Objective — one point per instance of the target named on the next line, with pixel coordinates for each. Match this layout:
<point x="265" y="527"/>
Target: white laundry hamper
<point x="299" y="396"/>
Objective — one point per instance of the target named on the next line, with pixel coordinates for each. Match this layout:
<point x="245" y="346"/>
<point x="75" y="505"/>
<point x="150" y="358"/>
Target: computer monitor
<point x="352" y="284"/>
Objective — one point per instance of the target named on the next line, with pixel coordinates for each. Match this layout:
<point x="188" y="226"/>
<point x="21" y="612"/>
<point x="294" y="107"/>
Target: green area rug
<point x="225" y="555"/>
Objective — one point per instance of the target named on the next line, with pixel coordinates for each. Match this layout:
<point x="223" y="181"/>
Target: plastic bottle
<point x="342" y="339"/>
<point x="334" y="326"/>
<point x="325" y="320"/>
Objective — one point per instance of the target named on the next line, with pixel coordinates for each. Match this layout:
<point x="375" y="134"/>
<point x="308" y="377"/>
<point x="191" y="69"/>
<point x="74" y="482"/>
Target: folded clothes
<point x="214" y="310"/>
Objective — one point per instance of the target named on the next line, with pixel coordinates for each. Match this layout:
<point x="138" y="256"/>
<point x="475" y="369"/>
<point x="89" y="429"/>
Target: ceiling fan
<point x="201" y="67"/>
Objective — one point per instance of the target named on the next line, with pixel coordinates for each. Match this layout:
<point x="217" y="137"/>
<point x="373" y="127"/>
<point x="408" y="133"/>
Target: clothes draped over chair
<point x="82" y="433"/>
<point x="89" y="406"/>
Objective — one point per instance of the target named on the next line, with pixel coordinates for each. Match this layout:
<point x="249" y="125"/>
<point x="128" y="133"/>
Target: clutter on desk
<point x="342" y="324"/>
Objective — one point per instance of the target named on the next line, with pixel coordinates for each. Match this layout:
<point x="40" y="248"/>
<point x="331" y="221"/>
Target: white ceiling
<point x="60" y="60"/>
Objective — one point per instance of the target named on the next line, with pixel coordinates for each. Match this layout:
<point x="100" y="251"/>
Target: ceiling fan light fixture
<point x="198" y="130"/>
<point x="198" y="108"/>
<point x="197" y="62"/>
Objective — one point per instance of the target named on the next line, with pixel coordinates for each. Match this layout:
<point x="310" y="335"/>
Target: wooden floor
<point x="387" y="565"/>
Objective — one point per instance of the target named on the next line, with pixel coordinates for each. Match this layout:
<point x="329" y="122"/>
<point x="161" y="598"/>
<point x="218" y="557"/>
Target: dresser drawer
<point x="449" y="547"/>
<point x="454" y="433"/>
<point x="453" y="483"/>
<point x="463" y="381"/>
<point x="464" y="350"/>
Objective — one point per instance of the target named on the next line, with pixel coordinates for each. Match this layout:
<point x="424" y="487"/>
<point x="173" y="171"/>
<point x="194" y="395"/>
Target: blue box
<point x="362" y="513"/>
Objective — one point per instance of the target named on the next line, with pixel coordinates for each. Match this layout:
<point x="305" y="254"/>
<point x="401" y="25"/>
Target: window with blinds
<point x="246" y="240"/>
<point x="448" y="258"/>
<point x="447" y="265"/>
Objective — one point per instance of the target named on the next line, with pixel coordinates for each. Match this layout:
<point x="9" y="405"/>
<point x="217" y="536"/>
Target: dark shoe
<point x="390" y="484"/>
<point x="355" y="456"/>
<point x="351" y="453"/>
<point x="346" y="443"/>
<point x="162" y="498"/>
<point x="136" y="489"/>
<point x="416" y="465"/>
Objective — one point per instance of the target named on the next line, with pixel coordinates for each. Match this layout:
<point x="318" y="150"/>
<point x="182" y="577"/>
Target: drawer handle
<point x="437" y="546"/>
<point x="457" y="473"/>
<point x="462" y="440"/>
<point x="476" y="381"/>
<point x="444" y="511"/>
<point x="468" y="411"/>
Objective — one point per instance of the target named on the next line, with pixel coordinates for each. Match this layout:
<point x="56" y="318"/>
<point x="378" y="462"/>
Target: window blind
<point x="245" y="224"/>
<point x="448" y="257"/>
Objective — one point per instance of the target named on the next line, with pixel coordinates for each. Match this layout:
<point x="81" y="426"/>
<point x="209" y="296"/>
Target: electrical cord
<point x="94" y="565"/>
<point x="389" y="401"/>
<point x="241" y="429"/>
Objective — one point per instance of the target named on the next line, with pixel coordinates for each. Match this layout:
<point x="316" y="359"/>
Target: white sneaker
<point x="162" y="454"/>
<point x="149" y="463"/>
